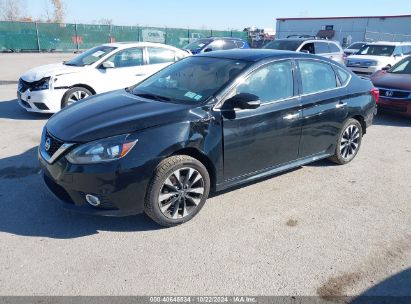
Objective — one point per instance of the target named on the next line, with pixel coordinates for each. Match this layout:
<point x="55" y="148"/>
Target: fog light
<point x="92" y="200"/>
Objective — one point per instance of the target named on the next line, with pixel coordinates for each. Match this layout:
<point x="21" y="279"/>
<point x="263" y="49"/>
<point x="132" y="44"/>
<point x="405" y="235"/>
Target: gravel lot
<point x="318" y="230"/>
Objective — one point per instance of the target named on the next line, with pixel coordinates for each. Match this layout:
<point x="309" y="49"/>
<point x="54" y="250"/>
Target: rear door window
<point x="316" y="76"/>
<point x="229" y="44"/>
<point x="160" y="55"/>
<point x="321" y="48"/>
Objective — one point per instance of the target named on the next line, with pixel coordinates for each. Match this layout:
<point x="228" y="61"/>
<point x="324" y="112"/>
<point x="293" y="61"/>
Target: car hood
<point x="392" y="81"/>
<point x="49" y="70"/>
<point x="361" y="58"/>
<point x="114" y="113"/>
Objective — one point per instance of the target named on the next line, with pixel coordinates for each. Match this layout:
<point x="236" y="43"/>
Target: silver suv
<point x="326" y="48"/>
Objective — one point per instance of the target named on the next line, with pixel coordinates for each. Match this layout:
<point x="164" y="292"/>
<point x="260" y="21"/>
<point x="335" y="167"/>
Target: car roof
<point x="388" y="43"/>
<point x="307" y="39"/>
<point x="124" y="45"/>
<point x="254" y="55"/>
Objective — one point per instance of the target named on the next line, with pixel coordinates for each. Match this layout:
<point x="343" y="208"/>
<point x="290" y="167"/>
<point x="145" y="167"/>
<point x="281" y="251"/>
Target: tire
<point x="349" y="142"/>
<point x="169" y="201"/>
<point x="73" y="95"/>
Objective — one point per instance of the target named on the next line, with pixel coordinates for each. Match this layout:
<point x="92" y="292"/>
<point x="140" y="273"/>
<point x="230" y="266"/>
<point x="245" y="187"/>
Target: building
<point x="348" y="29"/>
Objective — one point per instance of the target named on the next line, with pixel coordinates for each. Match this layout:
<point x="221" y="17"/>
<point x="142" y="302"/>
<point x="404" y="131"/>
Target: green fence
<point x="33" y="36"/>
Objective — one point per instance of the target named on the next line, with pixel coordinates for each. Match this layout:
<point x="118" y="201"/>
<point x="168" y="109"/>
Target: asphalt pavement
<point x="320" y="229"/>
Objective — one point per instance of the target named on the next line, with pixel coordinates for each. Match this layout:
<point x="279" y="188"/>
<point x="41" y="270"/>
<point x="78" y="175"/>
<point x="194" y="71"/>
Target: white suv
<point x="107" y="67"/>
<point x="325" y="48"/>
<point x="376" y="56"/>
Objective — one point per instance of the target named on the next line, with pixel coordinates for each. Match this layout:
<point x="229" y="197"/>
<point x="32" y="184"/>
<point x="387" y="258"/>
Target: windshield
<point x="285" y="45"/>
<point x="198" y="44"/>
<point x="402" y="67"/>
<point x="191" y="80"/>
<point x="90" y="56"/>
<point x="356" y="46"/>
<point x="376" y="50"/>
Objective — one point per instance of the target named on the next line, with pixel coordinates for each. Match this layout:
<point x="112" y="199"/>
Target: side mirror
<point x="208" y="50"/>
<point x="244" y="101"/>
<point x="108" y="65"/>
<point x="386" y="68"/>
<point x="305" y="51"/>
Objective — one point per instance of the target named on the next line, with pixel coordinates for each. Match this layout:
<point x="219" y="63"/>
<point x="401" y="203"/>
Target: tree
<point x="59" y="10"/>
<point x="10" y="10"/>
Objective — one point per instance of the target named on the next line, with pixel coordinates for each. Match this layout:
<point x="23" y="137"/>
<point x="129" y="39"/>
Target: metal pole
<point x="75" y="30"/>
<point x="38" y="39"/>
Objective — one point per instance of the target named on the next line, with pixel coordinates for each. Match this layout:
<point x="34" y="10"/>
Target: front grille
<point x="387" y="93"/>
<point x="25" y="103"/>
<point x="55" y="144"/>
<point x="392" y="108"/>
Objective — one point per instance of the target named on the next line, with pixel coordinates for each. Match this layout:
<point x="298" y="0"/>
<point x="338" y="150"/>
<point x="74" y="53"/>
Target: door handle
<point x="341" y="105"/>
<point x="291" y="116"/>
<point x="140" y="74"/>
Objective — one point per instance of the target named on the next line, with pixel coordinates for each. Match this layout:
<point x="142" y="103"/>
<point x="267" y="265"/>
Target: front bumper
<point x="121" y="190"/>
<point x="44" y="101"/>
<point x="394" y="105"/>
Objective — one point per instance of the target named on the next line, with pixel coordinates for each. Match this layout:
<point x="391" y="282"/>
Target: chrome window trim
<point x="221" y="97"/>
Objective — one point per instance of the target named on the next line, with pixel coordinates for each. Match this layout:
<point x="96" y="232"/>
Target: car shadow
<point x="395" y="289"/>
<point x="10" y="109"/>
<point x="29" y="208"/>
<point x="391" y="119"/>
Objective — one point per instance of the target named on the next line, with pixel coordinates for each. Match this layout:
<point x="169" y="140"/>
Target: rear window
<point x="285" y="45"/>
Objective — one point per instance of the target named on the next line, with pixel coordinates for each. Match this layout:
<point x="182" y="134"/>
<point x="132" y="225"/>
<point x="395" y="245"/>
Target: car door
<point x="322" y="49"/>
<point x="324" y="106"/>
<point x="126" y="69"/>
<point x="158" y="58"/>
<point x="256" y="139"/>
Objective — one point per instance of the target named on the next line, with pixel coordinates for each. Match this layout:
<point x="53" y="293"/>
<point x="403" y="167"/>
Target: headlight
<point x="42" y="84"/>
<point x="103" y="150"/>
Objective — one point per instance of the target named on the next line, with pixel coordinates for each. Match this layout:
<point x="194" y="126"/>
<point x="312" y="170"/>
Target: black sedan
<point x="206" y="123"/>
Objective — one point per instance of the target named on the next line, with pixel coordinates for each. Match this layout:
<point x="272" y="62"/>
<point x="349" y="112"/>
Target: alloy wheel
<point x="181" y="193"/>
<point x="76" y="96"/>
<point x="350" y="142"/>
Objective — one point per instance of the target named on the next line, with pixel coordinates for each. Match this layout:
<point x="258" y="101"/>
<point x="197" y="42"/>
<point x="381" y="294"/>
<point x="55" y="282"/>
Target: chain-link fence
<point x="46" y="37"/>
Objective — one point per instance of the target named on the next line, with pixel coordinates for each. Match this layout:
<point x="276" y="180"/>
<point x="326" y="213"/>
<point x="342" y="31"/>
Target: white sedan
<point x="49" y="88"/>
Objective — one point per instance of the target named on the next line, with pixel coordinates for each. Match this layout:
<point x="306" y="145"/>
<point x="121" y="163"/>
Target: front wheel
<point x="73" y="95"/>
<point x="348" y="143"/>
<point x="178" y="190"/>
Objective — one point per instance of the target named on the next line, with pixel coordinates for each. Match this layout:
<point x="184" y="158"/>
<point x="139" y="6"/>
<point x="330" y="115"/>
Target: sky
<point x="215" y="14"/>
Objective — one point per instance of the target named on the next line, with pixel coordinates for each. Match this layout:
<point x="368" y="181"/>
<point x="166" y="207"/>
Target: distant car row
<point x="48" y="89"/>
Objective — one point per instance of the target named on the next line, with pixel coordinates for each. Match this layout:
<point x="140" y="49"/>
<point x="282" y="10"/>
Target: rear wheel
<point x="178" y="190"/>
<point x="73" y="95"/>
<point x="348" y="143"/>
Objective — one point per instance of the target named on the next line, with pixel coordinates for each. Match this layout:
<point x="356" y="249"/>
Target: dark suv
<point x="208" y="122"/>
<point x="205" y="45"/>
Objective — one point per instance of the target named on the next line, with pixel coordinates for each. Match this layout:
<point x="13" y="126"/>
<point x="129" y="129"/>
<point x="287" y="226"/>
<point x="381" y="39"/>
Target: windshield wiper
<point x="153" y="96"/>
<point x="71" y="64"/>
